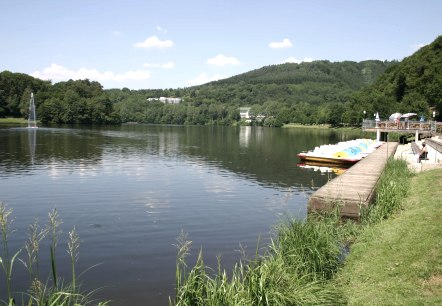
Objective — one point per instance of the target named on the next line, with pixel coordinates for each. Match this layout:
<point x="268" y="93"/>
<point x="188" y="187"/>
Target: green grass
<point x="13" y="121"/>
<point x="399" y="261"/>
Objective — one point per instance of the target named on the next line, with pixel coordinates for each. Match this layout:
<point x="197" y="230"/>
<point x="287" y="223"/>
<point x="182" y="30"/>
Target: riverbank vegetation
<point x="306" y="263"/>
<point x="42" y="291"/>
<point x="315" y="93"/>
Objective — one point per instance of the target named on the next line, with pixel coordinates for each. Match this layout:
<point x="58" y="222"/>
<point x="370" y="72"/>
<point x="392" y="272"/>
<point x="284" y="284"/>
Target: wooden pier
<point x="356" y="187"/>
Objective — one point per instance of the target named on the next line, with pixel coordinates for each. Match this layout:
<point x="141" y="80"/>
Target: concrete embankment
<point x="434" y="160"/>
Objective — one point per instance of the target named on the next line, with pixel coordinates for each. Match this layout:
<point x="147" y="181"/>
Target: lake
<point x="130" y="190"/>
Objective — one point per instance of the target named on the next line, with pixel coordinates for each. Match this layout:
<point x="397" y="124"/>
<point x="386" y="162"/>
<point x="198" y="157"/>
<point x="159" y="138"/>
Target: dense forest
<point x="319" y="92"/>
<point x="415" y="85"/>
<point x="69" y="102"/>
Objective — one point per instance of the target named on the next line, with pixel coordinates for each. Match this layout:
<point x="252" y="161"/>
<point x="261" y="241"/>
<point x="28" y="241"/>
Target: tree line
<point x="320" y="92"/>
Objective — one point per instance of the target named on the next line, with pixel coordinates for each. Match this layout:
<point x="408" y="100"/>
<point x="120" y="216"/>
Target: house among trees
<point x="244" y="113"/>
<point x="166" y="100"/>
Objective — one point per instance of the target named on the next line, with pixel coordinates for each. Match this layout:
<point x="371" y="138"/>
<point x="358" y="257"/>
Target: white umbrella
<point x="377" y="117"/>
<point x="395" y="116"/>
<point x="408" y="115"/>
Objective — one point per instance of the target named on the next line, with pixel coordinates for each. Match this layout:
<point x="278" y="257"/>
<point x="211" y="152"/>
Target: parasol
<point x="408" y="115"/>
<point x="395" y="116"/>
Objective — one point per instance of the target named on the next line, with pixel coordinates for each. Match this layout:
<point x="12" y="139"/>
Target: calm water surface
<point x="130" y="190"/>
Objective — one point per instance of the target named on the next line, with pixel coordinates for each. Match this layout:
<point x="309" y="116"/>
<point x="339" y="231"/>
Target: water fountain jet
<point x="32" y="118"/>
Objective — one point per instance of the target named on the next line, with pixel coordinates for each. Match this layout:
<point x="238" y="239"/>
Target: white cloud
<point x="222" y="60"/>
<point x="204" y="78"/>
<point x="117" y="33"/>
<point x="168" y="65"/>
<point x="285" y="43"/>
<point x="298" y="61"/>
<point x="59" y="73"/>
<point x="154" y="42"/>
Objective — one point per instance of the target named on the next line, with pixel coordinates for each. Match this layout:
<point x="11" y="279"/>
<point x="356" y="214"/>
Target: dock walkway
<point x="356" y="187"/>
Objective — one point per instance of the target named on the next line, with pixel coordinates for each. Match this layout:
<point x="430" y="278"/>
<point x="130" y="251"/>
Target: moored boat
<point x="348" y="152"/>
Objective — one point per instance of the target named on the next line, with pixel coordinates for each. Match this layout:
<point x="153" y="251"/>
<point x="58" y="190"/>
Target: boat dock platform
<point x="356" y="187"/>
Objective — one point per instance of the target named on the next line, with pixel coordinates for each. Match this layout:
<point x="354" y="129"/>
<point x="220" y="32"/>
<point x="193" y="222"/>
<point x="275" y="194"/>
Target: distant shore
<point x="13" y="121"/>
<point x="320" y="126"/>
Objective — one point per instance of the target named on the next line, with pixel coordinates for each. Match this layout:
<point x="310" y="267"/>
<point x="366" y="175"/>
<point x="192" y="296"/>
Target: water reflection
<point x="32" y="140"/>
<point x="267" y="156"/>
<point x="25" y="149"/>
<point x="324" y="168"/>
<point x="244" y="135"/>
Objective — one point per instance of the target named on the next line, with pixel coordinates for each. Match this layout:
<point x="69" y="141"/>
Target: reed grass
<point x="294" y="269"/>
<point x="299" y="264"/>
<point x="41" y="293"/>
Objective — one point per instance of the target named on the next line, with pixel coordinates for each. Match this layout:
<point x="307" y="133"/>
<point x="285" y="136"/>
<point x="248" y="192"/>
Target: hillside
<point x="350" y="74"/>
<point x="314" y="83"/>
<point x="414" y="85"/>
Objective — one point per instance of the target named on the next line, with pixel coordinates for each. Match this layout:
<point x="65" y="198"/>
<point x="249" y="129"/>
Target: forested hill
<point x="351" y="74"/>
<point x="308" y="93"/>
<point x="314" y="83"/>
<point x="414" y="85"/>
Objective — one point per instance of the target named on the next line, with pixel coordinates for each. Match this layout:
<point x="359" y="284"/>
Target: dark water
<point x="130" y="190"/>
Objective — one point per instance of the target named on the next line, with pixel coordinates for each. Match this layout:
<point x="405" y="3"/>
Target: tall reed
<point x="32" y="246"/>
<point x="54" y="230"/>
<point x="7" y="262"/>
<point x="40" y="293"/>
<point x="292" y="270"/>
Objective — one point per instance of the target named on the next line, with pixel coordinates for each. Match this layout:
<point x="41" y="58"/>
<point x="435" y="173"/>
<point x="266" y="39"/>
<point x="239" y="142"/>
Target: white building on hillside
<point x="244" y="113"/>
<point x="166" y="100"/>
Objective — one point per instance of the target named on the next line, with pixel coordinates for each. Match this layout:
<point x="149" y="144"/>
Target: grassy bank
<point x="399" y="261"/>
<point x="299" y="266"/>
<point x="13" y="121"/>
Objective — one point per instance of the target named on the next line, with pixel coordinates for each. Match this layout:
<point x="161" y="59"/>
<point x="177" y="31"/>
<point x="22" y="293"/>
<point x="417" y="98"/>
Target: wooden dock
<point x="356" y="187"/>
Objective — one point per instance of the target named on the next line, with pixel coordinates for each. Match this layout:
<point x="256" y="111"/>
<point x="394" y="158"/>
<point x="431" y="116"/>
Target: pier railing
<point x="412" y="126"/>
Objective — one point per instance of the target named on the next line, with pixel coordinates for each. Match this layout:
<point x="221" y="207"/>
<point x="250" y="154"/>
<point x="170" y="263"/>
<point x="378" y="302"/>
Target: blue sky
<point x="175" y="44"/>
